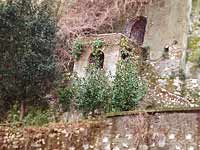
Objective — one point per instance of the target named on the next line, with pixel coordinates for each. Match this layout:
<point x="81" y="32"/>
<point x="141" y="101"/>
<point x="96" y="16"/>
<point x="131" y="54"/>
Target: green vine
<point x="194" y="46"/>
<point x="124" y="42"/>
<point x="195" y="57"/>
<point x="125" y="50"/>
<point x="77" y="49"/>
<point x="97" y="45"/>
<point x="97" y="48"/>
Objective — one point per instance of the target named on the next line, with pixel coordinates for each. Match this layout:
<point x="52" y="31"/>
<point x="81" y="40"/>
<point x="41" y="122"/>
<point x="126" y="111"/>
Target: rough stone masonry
<point x="172" y="130"/>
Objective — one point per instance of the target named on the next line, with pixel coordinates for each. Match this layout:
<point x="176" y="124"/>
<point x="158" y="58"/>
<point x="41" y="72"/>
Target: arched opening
<point x="124" y="55"/>
<point x="96" y="59"/>
<point x="135" y="29"/>
<point x="166" y="52"/>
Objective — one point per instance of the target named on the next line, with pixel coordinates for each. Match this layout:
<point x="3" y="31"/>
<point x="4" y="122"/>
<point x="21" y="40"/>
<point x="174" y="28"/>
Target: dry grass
<point x="89" y="16"/>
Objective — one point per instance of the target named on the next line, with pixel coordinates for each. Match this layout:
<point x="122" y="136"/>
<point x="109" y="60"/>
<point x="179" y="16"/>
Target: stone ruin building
<point x="161" y="30"/>
<point x="110" y="51"/>
<point x="157" y="25"/>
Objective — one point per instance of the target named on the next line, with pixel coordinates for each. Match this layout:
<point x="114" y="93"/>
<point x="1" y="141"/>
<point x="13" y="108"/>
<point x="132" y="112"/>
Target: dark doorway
<point x="135" y="29"/>
<point x="97" y="59"/>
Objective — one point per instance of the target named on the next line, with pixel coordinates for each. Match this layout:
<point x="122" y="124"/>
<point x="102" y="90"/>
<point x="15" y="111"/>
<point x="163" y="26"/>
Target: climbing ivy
<point x="193" y="42"/>
<point x="124" y="42"/>
<point x="97" y="44"/>
<point x="193" y="45"/>
<point x="125" y="50"/>
<point x="195" y="57"/>
<point x="65" y="96"/>
<point x="97" y="52"/>
<point x="77" y="49"/>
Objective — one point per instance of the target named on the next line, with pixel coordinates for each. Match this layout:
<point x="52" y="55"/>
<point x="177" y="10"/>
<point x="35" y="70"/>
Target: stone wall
<point x="111" y="49"/>
<point x="153" y="130"/>
<point x="168" y="20"/>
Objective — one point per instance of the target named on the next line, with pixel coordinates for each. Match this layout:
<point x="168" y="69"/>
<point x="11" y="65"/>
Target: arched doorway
<point x="135" y="29"/>
<point x="97" y="59"/>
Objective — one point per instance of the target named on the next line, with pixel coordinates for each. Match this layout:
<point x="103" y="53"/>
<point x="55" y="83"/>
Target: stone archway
<point x="97" y="59"/>
<point x="135" y="29"/>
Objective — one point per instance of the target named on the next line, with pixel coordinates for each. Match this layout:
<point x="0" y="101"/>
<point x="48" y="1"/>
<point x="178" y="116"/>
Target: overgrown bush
<point x="193" y="45"/>
<point x="65" y="97"/>
<point x="97" y="92"/>
<point x="128" y="89"/>
<point x="93" y="91"/>
<point x="193" y="42"/>
<point x="97" y="44"/>
<point x="77" y="49"/>
<point x="36" y="117"/>
<point x="13" y="114"/>
<point x="195" y="57"/>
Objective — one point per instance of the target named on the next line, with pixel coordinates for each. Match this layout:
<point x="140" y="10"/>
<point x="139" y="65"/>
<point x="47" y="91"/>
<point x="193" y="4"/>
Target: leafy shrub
<point x="193" y="43"/>
<point x="77" y="49"/>
<point x="98" y="43"/>
<point x="128" y="89"/>
<point x="36" y="118"/>
<point x="195" y="56"/>
<point x="97" y="92"/>
<point x="13" y="114"/>
<point x="124" y="42"/>
<point x="93" y="91"/>
<point x="97" y="56"/>
<point x="65" y="97"/>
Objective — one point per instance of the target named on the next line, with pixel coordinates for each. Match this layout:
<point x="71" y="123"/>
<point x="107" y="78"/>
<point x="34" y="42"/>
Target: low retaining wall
<point x="147" y="131"/>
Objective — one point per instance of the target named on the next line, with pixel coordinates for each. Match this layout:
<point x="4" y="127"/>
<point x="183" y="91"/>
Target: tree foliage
<point x="65" y="96"/>
<point x="93" y="92"/>
<point x="97" y="92"/>
<point x="128" y="89"/>
<point x="27" y="43"/>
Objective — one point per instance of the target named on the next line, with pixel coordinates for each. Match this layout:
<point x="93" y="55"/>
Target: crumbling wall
<point x="168" y="20"/>
<point x="169" y="130"/>
<point x="111" y="49"/>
